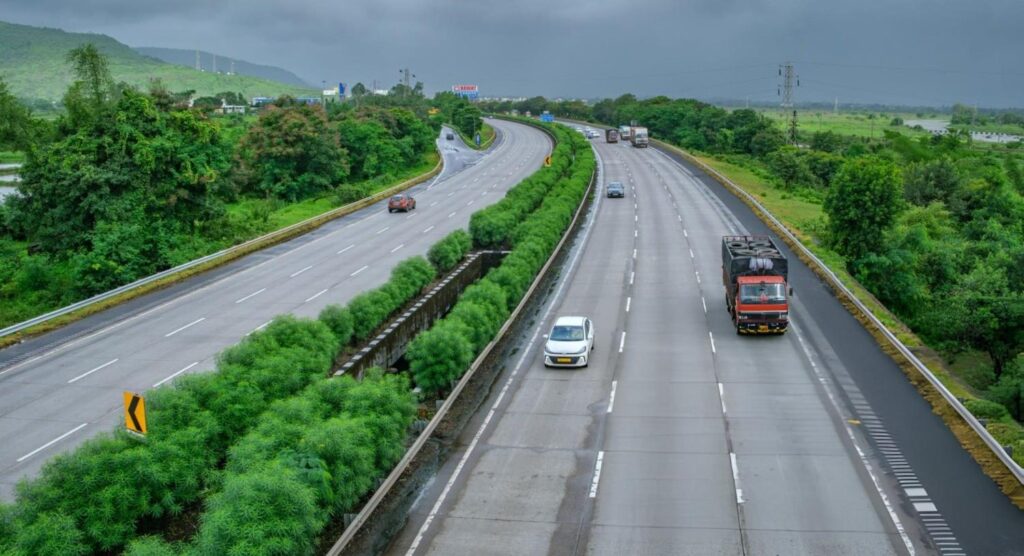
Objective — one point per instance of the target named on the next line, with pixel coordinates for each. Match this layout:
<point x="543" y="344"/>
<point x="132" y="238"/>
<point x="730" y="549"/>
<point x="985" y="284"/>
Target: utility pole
<point x="407" y="79"/>
<point x="790" y="80"/>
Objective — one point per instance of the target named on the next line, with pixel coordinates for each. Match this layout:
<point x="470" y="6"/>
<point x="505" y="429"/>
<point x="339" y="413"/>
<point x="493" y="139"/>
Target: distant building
<point x="257" y="102"/>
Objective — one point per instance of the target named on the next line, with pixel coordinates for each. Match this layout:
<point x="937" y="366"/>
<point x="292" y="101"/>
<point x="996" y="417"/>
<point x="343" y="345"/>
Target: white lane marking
<point x="434" y="203"/>
<point x="622" y="341"/>
<point x="52" y="442"/>
<point x="428" y="229"/>
<point x="636" y="217"/>
<point x="691" y="253"/>
<point x="628" y="300"/>
<point x="193" y="323"/>
<point x="175" y="374"/>
<point x="597" y="474"/>
<point x="508" y="383"/>
<point x="397" y="248"/>
<point x="408" y="216"/>
<point x="684" y="232"/>
<point x="680" y="217"/>
<point x="712" y="336"/>
<point x="83" y="375"/>
<point x="471" y="201"/>
<point x="452" y="193"/>
<point x="736" y="477"/>
<point x="315" y="296"/>
<point x="704" y="303"/>
<point x="853" y="440"/>
<point x="698" y="277"/>
<point x="721" y="396"/>
<point x="260" y="327"/>
<point x="631" y="276"/>
<point x="451" y="214"/>
<point x="251" y="295"/>
<point x="382" y="230"/>
<point x="360" y="270"/>
<point x="634" y="253"/>
<point x="611" y="398"/>
<point x="346" y="249"/>
<point x="636" y="233"/>
<point x="296" y="273"/>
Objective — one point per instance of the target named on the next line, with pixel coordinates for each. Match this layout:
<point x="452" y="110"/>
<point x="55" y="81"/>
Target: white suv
<point x="569" y="343"/>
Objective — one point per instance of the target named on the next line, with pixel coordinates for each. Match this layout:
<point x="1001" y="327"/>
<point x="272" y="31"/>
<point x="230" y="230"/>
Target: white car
<point x="569" y="343"/>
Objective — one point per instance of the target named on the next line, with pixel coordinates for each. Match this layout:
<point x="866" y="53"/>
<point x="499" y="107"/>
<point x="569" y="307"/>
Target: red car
<point x="403" y="202"/>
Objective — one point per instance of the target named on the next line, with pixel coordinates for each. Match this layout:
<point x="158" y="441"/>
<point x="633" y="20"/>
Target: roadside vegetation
<point x="932" y="227"/>
<point x="261" y="454"/>
<point x="126" y="183"/>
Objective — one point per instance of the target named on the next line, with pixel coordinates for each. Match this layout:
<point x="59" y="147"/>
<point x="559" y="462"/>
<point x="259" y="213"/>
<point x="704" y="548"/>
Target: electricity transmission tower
<point x="407" y="77"/>
<point x="790" y="80"/>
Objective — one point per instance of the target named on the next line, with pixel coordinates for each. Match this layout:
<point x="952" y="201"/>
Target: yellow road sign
<point x="433" y="111"/>
<point x="134" y="413"/>
<point x="547" y="160"/>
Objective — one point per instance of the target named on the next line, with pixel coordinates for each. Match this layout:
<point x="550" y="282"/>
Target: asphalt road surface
<point x="58" y="390"/>
<point x="683" y="437"/>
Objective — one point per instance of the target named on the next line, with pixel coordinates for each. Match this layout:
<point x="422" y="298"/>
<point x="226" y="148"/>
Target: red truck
<point x="754" y="272"/>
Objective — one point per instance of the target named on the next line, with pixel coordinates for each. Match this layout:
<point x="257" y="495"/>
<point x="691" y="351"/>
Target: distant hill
<point x="207" y="62"/>
<point x="32" y="63"/>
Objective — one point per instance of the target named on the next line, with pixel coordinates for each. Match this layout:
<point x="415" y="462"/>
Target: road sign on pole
<point x="134" y="413"/>
<point x="547" y="160"/>
<point x="477" y="139"/>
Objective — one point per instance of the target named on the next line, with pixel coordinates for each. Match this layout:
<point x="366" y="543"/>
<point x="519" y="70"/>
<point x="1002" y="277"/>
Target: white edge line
<point x="51" y="443"/>
<point x="175" y="374"/>
<point x="83" y="375"/>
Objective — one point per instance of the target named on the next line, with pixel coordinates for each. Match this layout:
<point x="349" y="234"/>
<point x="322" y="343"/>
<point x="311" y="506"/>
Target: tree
<point x="932" y="181"/>
<point x="93" y="91"/>
<point x="790" y="167"/>
<point x="16" y="123"/>
<point x="291" y="152"/>
<point x="358" y="90"/>
<point x="865" y="197"/>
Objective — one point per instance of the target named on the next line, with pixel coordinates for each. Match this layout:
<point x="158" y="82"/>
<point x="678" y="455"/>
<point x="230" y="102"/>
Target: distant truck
<point x="546" y="117"/>
<point x="611" y="136"/>
<point x="624" y="132"/>
<point x="755" y="272"/>
<point x="638" y="137"/>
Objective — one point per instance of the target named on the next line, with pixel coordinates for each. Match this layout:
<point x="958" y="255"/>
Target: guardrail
<point x="393" y="478"/>
<point x="144" y="285"/>
<point x="837" y="285"/>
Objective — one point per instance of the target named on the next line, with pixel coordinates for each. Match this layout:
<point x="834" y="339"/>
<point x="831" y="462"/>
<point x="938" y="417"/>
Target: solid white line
<point x="301" y="271"/>
<point x="428" y="229"/>
<point x="193" y="323"/>
<point x="251" y="295"/>
<point x="712" y="336"/>
<point x="51" y="443"/>
<point x="360" y="270"/>
<point x="628" y="300"/>
<point x="611" y="398"/>
<point x="382" y="230"/>
<point x="721" y="396"/>
<point x="83" y="375"/>
<point x="736" y="477"/>
<point x="704" y="303"/>
<point x="175" y="374"/>
<point x="315" y="296"/>
<point x="397" y="248"/>
<point x="622" y="341"/>
<point x="346" y="249"/>
<point x="597" y="474"/>
<point x="451" y="214"/>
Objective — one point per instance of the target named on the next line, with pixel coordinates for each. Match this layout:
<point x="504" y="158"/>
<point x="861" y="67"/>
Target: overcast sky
<point x="916" y="52"/>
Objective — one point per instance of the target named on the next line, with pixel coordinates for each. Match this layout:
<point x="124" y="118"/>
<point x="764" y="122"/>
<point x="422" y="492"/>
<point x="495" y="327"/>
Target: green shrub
<point x="50" y="535"/>
<point x="985" y="409"/>
<point x="438" y="356"/>
<point x="339" y="320"/>
<point x="445" y="254"/>
<point x="151" y="546"/>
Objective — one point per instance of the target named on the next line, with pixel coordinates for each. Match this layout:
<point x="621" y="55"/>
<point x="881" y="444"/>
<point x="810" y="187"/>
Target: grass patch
<point x="846" y="123"/>
<point x="11" y="157"/>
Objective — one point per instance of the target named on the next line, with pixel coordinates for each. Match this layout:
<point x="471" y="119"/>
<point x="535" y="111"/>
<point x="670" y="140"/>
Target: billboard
<point x="472" y="92"/>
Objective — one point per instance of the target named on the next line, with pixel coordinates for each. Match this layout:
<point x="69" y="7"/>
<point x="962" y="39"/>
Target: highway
<point x="62" y="388"/>
<point x="684" y="438"/>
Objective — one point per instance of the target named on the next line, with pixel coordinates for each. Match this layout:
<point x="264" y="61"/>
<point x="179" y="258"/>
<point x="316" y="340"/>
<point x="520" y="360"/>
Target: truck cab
<point x="754" y="273"/>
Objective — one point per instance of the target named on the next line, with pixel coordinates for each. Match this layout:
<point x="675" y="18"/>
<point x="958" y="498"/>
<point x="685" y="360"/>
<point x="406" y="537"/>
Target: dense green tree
<point x="17" y="127"/>
<point x="291" y="153"/>
<point x="791" y="168"/>
<point x="932" y="181"/>
<point x="865" y="197"/>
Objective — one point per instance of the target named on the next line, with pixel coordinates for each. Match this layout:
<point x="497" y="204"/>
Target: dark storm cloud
<point x="897" y="51"/>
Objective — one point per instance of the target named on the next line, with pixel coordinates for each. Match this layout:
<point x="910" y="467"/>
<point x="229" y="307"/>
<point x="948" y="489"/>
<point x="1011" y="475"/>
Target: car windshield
<point x="396" y="198"/>
<point x="567" y="333"/>
<point x="614" y="186"/>
<point x="762" y="293"/>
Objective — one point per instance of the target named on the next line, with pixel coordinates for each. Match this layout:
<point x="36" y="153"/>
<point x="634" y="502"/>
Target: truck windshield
<point x="763" y="293"/>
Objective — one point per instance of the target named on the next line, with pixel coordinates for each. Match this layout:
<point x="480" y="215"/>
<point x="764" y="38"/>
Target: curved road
<point x="684" y="438"/>
<point x="60" y="389"/>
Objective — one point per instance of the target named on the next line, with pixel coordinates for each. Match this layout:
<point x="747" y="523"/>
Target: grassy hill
<point x="208" y="60"/>
<point x="32" y="62"/>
